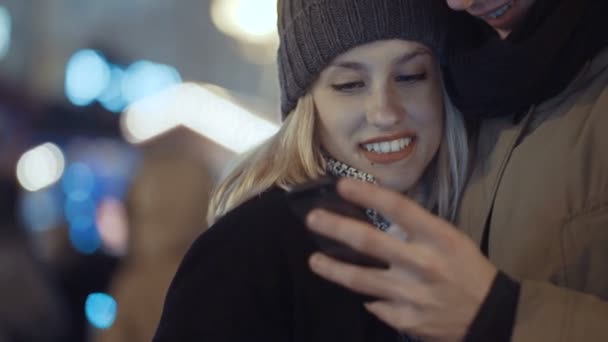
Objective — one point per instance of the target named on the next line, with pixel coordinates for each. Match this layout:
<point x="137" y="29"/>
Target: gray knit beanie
<point x="314" y="32"/>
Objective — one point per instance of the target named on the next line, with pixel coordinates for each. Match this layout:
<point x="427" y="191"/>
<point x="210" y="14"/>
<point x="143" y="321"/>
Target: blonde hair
<point x="293" y="156"/>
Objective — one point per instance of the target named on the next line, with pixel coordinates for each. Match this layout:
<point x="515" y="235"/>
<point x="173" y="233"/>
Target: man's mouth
<point x="499" y="12"/>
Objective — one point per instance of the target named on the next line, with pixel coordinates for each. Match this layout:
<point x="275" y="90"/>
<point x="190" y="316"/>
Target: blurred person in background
<point x="362" y="98"/>
<point x="77" y="275"/>
<point x="32" y="308"/>
<point x="166" y="209"/>
<point x="44" y="281"/>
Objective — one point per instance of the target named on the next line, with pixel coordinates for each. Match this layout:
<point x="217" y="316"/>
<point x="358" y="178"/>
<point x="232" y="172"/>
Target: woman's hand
<point x="437" y="278"/>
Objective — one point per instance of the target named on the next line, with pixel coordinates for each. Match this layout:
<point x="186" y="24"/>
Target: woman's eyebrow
<point x="411" y="55"/>
<point x="349" y="65"/>
<point x="357" y="66"/>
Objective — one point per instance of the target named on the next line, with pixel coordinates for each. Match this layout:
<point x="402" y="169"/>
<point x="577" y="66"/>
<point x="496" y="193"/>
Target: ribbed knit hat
<point x="314" y="32"/>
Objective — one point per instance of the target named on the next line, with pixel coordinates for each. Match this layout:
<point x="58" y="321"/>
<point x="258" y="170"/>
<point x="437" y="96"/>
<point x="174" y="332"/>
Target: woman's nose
<point x="460" y="5"/>
<point x="385" y="109"/>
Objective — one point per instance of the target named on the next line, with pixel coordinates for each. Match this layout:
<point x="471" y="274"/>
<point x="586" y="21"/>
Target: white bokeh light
<point x="40" y="167"/>
<point x="236" y="128"/>
<point x="197" y="108"/>
<point x="252" y="21"/>
<point x="150" y="117"/>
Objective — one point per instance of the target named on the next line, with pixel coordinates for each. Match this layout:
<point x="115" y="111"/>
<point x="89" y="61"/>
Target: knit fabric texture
<point x="314" y="32"/>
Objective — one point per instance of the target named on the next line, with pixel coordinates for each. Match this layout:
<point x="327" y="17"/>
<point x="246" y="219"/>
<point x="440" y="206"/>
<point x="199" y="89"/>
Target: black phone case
<point x="322" y="193"/>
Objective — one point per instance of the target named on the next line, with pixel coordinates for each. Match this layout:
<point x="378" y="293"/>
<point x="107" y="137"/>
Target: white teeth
<point x="388" y="146"/>
<point x="499" y="12"/>
<point x="395" y="145"/>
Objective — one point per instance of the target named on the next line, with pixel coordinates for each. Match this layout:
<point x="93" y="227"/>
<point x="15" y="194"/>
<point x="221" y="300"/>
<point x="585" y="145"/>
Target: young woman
<point x="362" y="97"/>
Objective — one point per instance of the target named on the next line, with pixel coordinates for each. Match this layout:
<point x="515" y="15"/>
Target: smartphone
<point x="322" y="193"/>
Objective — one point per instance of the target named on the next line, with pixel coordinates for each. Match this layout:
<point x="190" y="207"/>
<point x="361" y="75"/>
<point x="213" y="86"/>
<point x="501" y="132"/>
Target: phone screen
<point x="322" y="193"/>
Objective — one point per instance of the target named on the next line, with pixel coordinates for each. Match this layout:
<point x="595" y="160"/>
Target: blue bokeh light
<point x="40" y="210"/>
<point x="112" y="98"/>
<point x="100" y="310"/>
<point x="145" y="78"/>
<point x="78" y="182"/>
<point x="87" y="76"/>
<point x="80" y="213"/>
<point x="83" y="233"/>
<point x="85" y="239"/>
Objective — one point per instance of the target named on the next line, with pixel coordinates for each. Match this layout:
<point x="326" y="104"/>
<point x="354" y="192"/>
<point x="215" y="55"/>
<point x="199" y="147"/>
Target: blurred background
<point x="117" y="117"/>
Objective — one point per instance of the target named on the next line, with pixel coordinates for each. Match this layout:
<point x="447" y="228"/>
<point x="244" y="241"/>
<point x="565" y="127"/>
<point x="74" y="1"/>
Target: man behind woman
<point x="532" y="74"/>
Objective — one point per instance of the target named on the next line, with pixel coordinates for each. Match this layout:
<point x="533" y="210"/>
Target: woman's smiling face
<point x="380" y="110"/>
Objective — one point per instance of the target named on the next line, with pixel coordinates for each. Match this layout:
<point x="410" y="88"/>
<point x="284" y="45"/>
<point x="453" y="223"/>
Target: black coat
<point x="247" y="279"/>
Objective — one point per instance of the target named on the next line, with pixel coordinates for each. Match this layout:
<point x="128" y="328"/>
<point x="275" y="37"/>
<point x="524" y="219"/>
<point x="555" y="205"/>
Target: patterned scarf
<point x="340" y="169"/>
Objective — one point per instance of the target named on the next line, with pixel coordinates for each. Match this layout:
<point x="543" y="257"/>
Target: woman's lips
<point x="389" y="157"/>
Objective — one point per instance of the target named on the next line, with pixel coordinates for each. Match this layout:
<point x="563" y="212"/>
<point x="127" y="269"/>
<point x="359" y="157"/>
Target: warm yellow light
<point x="40" y="167"/>
<point x="252" y="21"/>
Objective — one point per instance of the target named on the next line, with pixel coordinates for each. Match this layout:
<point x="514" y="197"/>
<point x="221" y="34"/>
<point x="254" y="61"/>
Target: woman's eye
<point x="348" y="86"/>
<point x="411" y="78"/>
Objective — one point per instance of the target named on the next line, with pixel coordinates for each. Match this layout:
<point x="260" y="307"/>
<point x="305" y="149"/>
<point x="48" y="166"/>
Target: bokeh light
<point x="5" y="31"/>
<point x="78" y="181"/>
<point x="196" y="107"/>
<point x="236" y="129"/>
<point x="246" y="20"/>
<point x="80" y="213"/>
<point x="40" y="210"/>
<point x="80" y="185"/>
<point x="84" y="239"/>
<point x="87" y="76"/>
<point x="112" y="226"/>
<point x="144" y="78"/>
<point x="112" y="98"/>
<point x="151" y="116"/>
<point x="40" y="167"/>
<point x="100" y="310"/>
